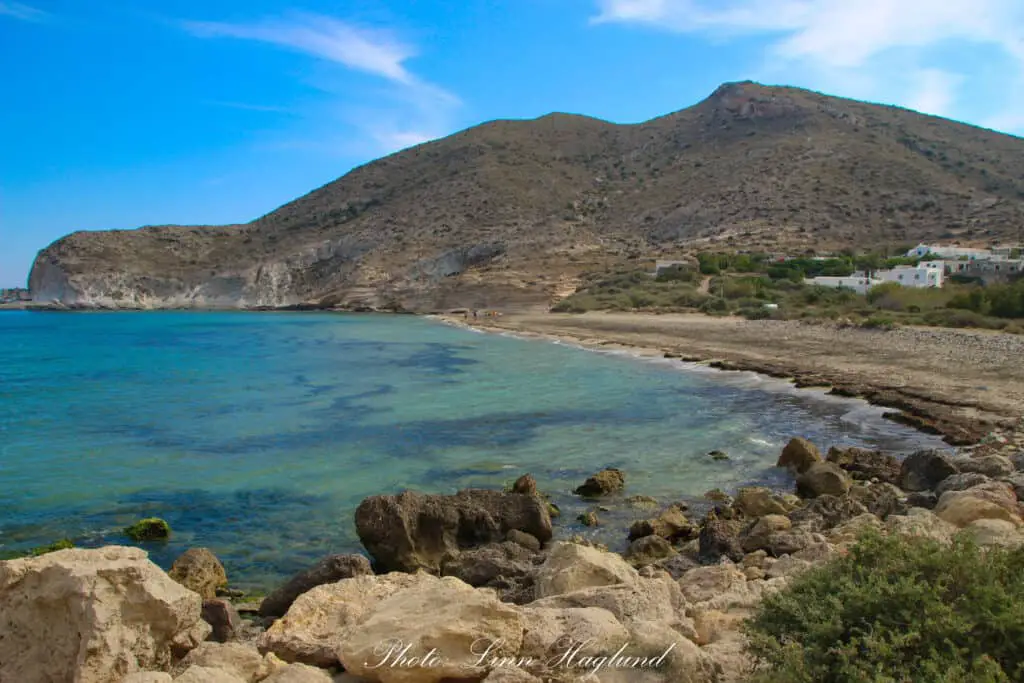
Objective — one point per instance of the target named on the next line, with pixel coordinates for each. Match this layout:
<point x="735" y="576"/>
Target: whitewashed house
<point x="858" y="282"/>
<point x="928" y="274"/>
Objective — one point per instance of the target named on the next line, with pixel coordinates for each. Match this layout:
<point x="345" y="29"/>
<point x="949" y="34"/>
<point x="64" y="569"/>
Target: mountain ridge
<point x="512" y="211"/>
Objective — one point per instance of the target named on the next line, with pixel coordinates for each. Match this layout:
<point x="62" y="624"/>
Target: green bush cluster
<point x="150" y="529"/>
<point x="897" y="609"/>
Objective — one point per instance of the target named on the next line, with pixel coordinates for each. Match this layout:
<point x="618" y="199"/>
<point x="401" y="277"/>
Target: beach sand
<point x="962" y="384"/>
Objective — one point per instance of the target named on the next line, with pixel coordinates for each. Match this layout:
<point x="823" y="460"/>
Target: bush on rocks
<point x="898" y="609"/>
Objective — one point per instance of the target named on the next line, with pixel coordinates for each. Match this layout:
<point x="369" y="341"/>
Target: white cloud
<point x="418" y="110"/>
<point x="872" y="43"/>
<point x="20" y="11"/>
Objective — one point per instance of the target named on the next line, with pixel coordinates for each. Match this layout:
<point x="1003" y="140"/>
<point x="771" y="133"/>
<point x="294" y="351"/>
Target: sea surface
<point x="258" y="434"/>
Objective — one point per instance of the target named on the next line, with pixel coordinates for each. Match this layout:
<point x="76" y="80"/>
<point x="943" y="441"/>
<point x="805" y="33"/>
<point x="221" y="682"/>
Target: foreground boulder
<point x="415" y="531"/>
<point x="443" y="615"/>
<point x="328" y="570"/>
<point x="799" y="455"/>
<point x="992" y="500"/>
<point x="923" y="470"/>
<point x="671" y="524"/>
<point x="823" y="479"/>
<point x="604" y="482"/>
<point x="199" y="570"/>
<point x="92" y="616"/>
<point x="572" y="566"/>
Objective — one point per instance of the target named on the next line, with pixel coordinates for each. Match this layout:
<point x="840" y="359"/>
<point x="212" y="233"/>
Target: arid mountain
<point x="509" y="212"/>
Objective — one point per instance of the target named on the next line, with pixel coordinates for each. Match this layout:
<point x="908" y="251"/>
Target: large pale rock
<point x="199" y="570"/>
<point x="852" y="529"/>
<point x="330" y="569"/>
<point x="92" y="616"/>
<point x="823" y="479"/>
<point x="148" y="677"/>
<point x="572" y="566"/>
<point x="995" y="532"/>
<point x="960" y="482"/>
<point x="550" y="631"/>
<point x="444" y="616"/>
<point x="510" y="674"/>
<point x="994" y="466"/>
<point x="299" y="673"/>
<point x="318" y="619"/>
<point x="799" y="455"/>
<point x="923" y="470"/>
<point x="988" y="501"/>
<point x="243" y="661"/>
<point x="656" y="599"/>
<point x="202" y="674"/>
<point x="648" y="550"/>
<point x="923" y="523"/>
<point x="414" y="531"/>
<point x="705" y="583"/>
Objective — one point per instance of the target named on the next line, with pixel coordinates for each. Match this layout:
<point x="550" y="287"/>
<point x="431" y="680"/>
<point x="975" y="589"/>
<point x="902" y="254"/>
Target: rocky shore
<point x="960" y="384"/>
<point x="471" y="587"/>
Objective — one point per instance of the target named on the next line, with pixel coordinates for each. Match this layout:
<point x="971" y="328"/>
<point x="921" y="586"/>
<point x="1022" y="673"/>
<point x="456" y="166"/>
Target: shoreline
<point x="962" y="421"/>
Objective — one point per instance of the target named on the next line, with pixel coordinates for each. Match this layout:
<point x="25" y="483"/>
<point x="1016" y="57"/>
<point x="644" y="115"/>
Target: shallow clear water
<point x="257" y="434"/>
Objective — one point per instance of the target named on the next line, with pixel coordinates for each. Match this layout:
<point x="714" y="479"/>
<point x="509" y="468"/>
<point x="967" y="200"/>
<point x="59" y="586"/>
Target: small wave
<point x="760" y="442"/>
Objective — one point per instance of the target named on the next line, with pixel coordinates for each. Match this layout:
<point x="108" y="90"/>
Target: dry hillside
<point x="509" y="212"/>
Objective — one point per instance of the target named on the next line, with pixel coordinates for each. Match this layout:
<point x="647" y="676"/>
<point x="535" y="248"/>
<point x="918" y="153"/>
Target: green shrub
<point x="897" y="609"/>
<point x="677" y="273"/>
<point x="150" y="529"/>
<point x="715" y="304"/>
<point x="63" y="544"/>
<point x="878" y="322"/>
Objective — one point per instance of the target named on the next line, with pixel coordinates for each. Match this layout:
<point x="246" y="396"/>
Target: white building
<point x="858" y="282"/>
<point x="966" y="253"/>
<point x="928" y="274"/>
<point x="661" y="265"/>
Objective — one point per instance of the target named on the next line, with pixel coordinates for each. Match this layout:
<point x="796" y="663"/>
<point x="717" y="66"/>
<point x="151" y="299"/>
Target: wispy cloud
<point x="870" y="43"/>
<point x="20" y="11"/>
<point x="423" y="109"/>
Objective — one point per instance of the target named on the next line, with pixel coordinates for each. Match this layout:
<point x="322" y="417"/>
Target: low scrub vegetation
<point x="897" y="609"/>
<point x="772" y="293"/>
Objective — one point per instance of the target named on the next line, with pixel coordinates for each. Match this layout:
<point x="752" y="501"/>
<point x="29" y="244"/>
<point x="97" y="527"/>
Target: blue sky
<point x="120" y="113"/>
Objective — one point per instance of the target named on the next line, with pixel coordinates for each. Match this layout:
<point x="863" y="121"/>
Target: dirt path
<point x="959" y="383"/>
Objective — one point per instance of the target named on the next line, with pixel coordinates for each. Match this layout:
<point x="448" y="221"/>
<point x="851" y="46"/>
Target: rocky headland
<point x="471" y="587"/>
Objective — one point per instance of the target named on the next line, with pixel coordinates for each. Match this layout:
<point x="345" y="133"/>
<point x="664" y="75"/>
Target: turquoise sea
<point x="258" y="434"/>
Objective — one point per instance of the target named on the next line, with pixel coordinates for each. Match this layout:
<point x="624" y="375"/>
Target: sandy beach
<point x="962" y="384"/>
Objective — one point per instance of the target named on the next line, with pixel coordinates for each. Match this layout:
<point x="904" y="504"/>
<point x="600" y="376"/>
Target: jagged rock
<point x="642" y="502"/>
<point x="676" y="565"/>
<point x="799" y="455"/>
<point x="787" y="566"/>
<point x="719" y="538"/>
<point x="507" y="567"/>
<point x="881" y="499"/>
<point x="525" y="484"/>
<point x="441" y="614"/>
<point x="718" y="455"/>
<point x="242" y="661"/>
<point x="223" y="618"/>
<point x="1018" y="460"/>
<point x="923" y="470"/>
<point x="117" y="614"/>
<point x="993" y="466"/>
<point x="202" y="674"/>
<point x="757" y="501"/>
<point x="648" y="550"/>
<point x="671" y="525"/>
<point x="755" y="558"/>
<point x="1016" y="480"/>
<point x="823" y="479"/>
<point x="960" y="482"/>
<point x="148" y="677"/>
<point x="817" y="553"/>
<point x="509" y="674"/>
<point x="589" y="518"/>
<point x="524" y="539"/>
<point x="604" y="482"/>
<point x="571" y="566"/>
<point x="199" y="570"/>
<point x="993" y="500"/>
<point x="718" y="496"/>
<point x="825" y="512"/>
<point x="414" y="531"/>
<point x="922" y="523"/>
<point x="330" y="569"/>
<point x="310" y="631"/>
<point x="773" y="534"/>
<point x="865" y="465"/>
